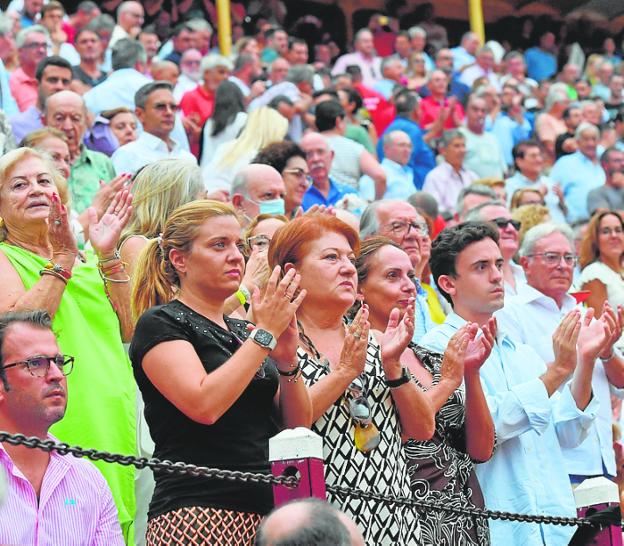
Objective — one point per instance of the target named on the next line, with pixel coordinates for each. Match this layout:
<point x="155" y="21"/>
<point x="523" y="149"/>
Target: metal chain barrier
<point x="287" y="481"/>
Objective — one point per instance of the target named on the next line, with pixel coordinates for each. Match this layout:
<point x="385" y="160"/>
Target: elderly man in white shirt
<point x="534" y="313"/>
<point x="446" y="181"/>
<point x="156" y="110"/>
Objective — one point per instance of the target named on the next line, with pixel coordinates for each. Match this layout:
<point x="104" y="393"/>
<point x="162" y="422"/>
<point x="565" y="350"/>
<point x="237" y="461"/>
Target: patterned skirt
<point x="197" y="525"/>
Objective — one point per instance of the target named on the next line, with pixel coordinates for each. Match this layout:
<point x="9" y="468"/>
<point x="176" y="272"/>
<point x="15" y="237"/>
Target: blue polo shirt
<point x="336" y="193"/>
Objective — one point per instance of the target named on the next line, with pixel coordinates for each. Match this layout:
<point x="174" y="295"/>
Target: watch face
<point x="263" y="337"/>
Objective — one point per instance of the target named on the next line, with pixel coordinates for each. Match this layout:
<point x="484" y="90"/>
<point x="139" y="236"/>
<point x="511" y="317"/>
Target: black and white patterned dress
<point x="383" y="470"/>
<point x="440" y="469"/>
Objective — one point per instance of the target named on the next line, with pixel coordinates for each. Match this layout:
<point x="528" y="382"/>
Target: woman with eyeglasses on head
<point x="357" y="410"/>
<point x="290" y="161"/>
<point x="211" y="392"/>
<point x="600" y="260"/>
<point x="440" y="466"/>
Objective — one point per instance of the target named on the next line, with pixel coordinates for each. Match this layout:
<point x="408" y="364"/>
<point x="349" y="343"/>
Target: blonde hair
<point x="530" y="216"/>
<point x="158" y="189"/>
<point x="11" y="159"/>
<point x="264" y="126"/>
<point x="159" y="279"/>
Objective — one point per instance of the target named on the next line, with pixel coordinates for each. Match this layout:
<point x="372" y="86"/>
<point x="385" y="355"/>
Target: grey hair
<point x="197" y="25"/>
<point x="369" y="222"/>
<point x="213" y="60"/>
<point x="485" y="49"/>
<point x="475" y="213"/>
<point x="239" y="184"/>
<point x="359" y="33"/>
<point x="143" y="93"/>
<point x="448" y="137"/>
<point x="473" y="189"/>
<point x="422" y="200"/>
<point x="586" y="126"/>
<point x="243" y="60"/>
<point x="536" y="233"/>
<point x="123" y="7"/>
<point x="6" y="25"/>
<point x="388" y="136"/>
<point x="300" y="73"/>
<point x="387" y="61"/>
<point x="416" y="31"/>
<point x="20" y="38"/>
<point x="102" y="22"/>
<point x="558" y="92"/>
<point x="127" y="53"/>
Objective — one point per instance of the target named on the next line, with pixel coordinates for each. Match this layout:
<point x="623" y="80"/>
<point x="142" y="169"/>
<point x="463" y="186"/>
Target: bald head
<point x="166" y="71"/>
<point x="308" y="521"/>
<point x="66" y="112"/>
<point x="254" y="186"/>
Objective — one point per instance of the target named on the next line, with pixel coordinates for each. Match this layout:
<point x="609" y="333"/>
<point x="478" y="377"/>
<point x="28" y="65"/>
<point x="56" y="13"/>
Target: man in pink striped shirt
<point x="53" y="499"/>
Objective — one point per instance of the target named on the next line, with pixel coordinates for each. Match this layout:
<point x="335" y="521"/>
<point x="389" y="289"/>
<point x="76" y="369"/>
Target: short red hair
<point x="292" y="241"/>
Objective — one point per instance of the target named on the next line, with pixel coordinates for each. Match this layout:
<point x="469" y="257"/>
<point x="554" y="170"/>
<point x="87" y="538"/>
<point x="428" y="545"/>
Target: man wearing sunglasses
<point x="156" y="110"/>
<point x="509" y="240"/>
<point x="53" y="499"/>
<point x="532" y="316"/>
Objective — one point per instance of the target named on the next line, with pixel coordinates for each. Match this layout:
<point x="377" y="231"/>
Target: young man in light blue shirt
<point x="534" y="412"/>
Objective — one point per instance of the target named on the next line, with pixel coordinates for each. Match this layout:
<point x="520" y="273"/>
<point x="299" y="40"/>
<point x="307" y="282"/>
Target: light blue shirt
<point x="509" y="132"/>
<point x="540" y="64"/>
<point x="525" y="474"/>
<point x="461" y="57"/>
<point x="385" y="87"/>
<point x="399" y="182"/>
<point x="518" y="182"/>
<point x="148" y="148"/>
<point x="7" y="102"/>
<point x="577" y="175"/>
<point x="422" y="318"/>
<point x="532" y="317"/>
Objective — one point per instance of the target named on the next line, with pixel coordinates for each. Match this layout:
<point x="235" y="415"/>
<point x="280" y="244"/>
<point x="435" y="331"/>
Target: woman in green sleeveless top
<point x="41" y="268"/>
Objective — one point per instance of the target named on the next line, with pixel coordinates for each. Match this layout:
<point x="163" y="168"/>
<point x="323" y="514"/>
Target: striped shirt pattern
<point x="75" y="506"/>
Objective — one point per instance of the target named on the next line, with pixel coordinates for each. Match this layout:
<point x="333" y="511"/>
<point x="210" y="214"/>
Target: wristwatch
<point x="394" y="383"/>
<point x="265" y="339"/>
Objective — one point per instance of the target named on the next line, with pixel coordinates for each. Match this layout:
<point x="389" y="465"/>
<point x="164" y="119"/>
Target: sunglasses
<point x="366" y="435"/>
<point x="504" y="222"/>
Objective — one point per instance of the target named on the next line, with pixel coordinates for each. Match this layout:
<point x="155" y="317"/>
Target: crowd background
<point x="137" y="162"/>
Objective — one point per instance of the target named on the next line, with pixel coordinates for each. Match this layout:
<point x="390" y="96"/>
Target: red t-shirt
<point x="429" y="109"/>
<point x="198" y="101"/>
<point x="381" y="111"/>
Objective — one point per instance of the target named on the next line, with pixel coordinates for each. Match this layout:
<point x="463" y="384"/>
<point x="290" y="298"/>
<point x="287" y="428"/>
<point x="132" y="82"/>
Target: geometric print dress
<point x="441" y="470"/>
<point x="383" y="470"/>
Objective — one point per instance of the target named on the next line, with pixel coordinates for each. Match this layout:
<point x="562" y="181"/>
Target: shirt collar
<point x="527" y="294"/>
<point x="456" y="322"/>
<point x="155" y="143"/>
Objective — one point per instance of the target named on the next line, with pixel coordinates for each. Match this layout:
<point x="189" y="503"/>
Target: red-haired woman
<point x="360" y="406"/>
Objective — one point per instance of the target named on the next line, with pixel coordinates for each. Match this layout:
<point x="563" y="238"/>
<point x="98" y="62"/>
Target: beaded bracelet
<point x="53" y="274"/>
<point x="60" y="270"/>
<point x="115" y="256"/>
<point x="293" y="375"/>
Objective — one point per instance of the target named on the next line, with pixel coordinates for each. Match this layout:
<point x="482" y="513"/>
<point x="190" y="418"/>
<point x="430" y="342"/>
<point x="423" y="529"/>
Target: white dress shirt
<point x="148" y="148"/>
<point x="532" y="317"/>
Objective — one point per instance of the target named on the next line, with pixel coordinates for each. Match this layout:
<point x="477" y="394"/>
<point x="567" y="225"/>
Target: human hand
<point x="595" y="334"/>
<point x="104" y="232"/>
<point x="617" y="321"/>
<point x="453" y="361"/>
<point x="275" y="309"/>
<point x="353" y="355"/>
<point x="62" y="240"/>
<point x="317" y="209"/>
<point x="285" y="352"/>
<point x="105" y="194"/>
<point x="192" y="125"/>
<point x="478" y="349"/>
<point x="257" y="270"/>
<point x="398" y="334"/>
<point x="565" y="341"/>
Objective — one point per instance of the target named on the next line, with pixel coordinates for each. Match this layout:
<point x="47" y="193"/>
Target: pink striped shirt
<point x="75" y="506"/>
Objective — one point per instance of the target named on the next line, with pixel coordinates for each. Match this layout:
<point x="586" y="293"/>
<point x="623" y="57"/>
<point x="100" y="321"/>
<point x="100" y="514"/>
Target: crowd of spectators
<point x="413" y="248"/>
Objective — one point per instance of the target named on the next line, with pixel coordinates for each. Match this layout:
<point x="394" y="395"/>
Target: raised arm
<point x="370" y="166"/>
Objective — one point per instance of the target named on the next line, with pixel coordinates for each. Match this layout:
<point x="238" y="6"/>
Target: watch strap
<point x="394" y="383"/>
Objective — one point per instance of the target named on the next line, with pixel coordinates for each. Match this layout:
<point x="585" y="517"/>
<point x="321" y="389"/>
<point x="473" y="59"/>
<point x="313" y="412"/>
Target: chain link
<point x="142" y="462"/>
<point x="463" y="510"/>
<point x="287" y="481"/>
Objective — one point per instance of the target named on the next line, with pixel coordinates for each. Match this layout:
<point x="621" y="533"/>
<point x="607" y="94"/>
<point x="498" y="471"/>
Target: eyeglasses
<point x="300" y="174"/>
<point x="39" y="366"/>
<point x="554" y="258"/>
<point x="610" y="231"/>
<point x="401" y="229"/>
<point x="261" y="242"/>
<point x="504" y="222"/>
<point x="35" y="45"/>
<point x="366" y="434"/>
<point x="164" y="106"/>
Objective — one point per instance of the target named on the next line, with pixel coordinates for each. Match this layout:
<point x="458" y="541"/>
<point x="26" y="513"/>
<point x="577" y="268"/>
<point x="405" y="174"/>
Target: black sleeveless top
<point x="239" y="440"/>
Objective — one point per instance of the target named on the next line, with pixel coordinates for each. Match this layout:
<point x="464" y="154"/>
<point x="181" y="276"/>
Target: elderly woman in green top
<point x="87" y="295"/>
